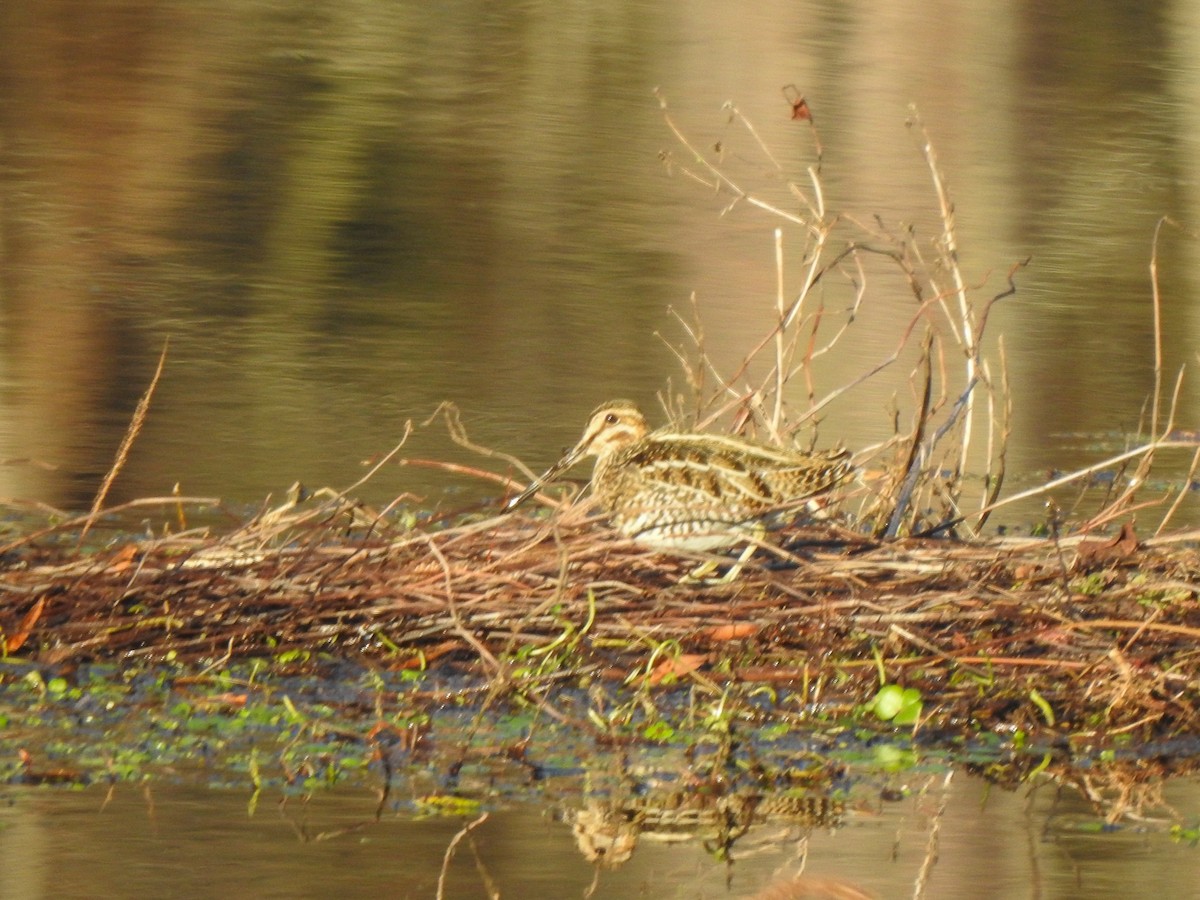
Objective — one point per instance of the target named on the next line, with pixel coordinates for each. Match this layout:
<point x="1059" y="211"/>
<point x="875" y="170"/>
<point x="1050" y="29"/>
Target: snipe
<point x="689" y="491"/>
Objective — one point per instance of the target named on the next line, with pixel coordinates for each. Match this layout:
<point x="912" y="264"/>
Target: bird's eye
<point x="610" y="419"/>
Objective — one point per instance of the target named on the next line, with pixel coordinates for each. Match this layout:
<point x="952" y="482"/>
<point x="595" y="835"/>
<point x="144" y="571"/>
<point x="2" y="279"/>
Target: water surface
<point x="343" y="216"/>
<point x="179" y="842"/>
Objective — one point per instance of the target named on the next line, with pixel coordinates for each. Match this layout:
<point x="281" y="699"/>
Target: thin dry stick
<point x="1183" y="492"/>
<point x="408" y="430"/>
<point x="1118" y="506"/>
<point x="1089" y="470"/>
<point x="489" y="883"/>
<point x="785" y="350"/>
<point x="780" y="365"/>
<point x="458" y="433"/>
<point x="965" y="327"/>
<point x="931" y="846"/>
<point x="1156" y="305"/>
<point x="814" y="175"/>
<point x="860" y="289"/>
<point x="69" y="524"/>
<point x="721" y="180"/>
<point x="874" y="370"/>
<point x="131" y="433"/>
<point x="813" y="275"/>
<point x="695" y="373"/>
<point x="273" y="523"/>
<point x="995" y="480"/>
<point x="905" y="476"/>
<point x="499" y="670"/>
<point x="454" y="842"/>
<point x="926" y="453"/>
<point x="734" y="113"/>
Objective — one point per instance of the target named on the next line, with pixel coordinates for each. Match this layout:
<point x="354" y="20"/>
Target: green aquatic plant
<point x="896" y="704"/>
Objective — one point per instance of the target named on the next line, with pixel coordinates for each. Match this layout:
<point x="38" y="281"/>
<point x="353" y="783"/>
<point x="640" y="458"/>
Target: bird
<point x="691" y="491"/>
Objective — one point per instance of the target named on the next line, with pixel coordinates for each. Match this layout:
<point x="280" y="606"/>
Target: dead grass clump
<point x="1085" y="637"/>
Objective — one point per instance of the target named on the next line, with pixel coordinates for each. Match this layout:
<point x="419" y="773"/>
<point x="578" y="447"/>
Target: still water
<point x="958" y="839"/>
<point x="342" y="215"/>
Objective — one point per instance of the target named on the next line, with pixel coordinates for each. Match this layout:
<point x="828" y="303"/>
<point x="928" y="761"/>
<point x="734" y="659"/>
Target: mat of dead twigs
<point x="1099" y="634"/>
<point x="1083" y="635"/>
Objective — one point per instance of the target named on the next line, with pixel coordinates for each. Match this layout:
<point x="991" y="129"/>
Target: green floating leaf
<point x="900" y="706"/>
<point x="887" y="701"/>
<point x="891" y="758"/>
<point x="658" y="731"/>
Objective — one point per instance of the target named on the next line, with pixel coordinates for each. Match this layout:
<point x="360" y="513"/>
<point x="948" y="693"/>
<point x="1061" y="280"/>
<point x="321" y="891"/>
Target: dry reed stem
<point x="463" y="833"/>
<point x="720" y="181"/>
<point x="929" y="860"/>
<point x="1180" y="495"/>
<point x="766" y="402"/>
<point x="131" y="433"/>
<point x="966" y="331"/>
<point x="1156" y="307"/>
<point x="781" y="365"/>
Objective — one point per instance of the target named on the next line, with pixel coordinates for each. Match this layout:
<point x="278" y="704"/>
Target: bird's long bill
<point x="549" y="475"/>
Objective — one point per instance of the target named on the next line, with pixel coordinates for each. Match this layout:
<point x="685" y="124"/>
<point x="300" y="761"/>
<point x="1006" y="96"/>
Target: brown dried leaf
<point x="123" y="558"/>
<point x="18" y="638"/>
<point x="733" y="631"/>
<point x="677" y="667"/>
<point x="1119" y="549"/>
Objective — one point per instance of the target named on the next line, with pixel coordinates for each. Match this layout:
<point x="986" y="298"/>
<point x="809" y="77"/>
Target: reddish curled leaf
<point x="800" y="107"/>
<point x="677" y="667"/>
<point x="1119" y="549"/>
<point x="18" y="638"/>
<point x="421" y="660"/>
<point x="227" y="699"/>
<point x="123" y="558"/>
<point x="734" y="631"/>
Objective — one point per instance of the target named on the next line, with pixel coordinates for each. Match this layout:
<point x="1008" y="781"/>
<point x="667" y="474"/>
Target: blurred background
<point x="343" y="214"/>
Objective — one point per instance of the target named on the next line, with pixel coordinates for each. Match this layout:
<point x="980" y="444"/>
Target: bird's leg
<point x="744" y="557"/>
<point x="700" y="574"/>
